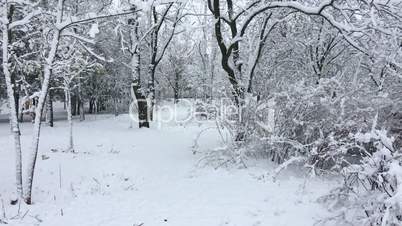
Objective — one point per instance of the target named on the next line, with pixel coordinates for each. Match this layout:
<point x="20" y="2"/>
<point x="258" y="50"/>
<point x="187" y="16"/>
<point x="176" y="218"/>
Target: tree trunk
<point x="176" y="96"/>
<point x="49" y="110"/>
<point x="137" y="92"/>
<point x="115" y="107"/>
<point x="70" y="147"/>
<point x="14" y="124"/>
<point x="20" y="113"/>
<point x="78" y="104"/>
<point x="176" y="87"/>
<point x="142" y="104"/>
<point x="37" y="123"/>
<point x="98" y="105"/>
<point x="73" y="104"/>
<point x="91" y="106"/>
<point x="17" y="97"/>
<point x="82" y="111"/>
<point x="235" y="74"/>
<point x="81" y="101"/>
<point x="95" y="106"/>
<point x="139" y="97"/>
<point x="151" y="92"/>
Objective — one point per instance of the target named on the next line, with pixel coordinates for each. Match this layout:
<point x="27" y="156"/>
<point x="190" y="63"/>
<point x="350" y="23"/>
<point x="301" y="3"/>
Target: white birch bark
<point x="67" y="93"/>
<point x="14" y="124"/>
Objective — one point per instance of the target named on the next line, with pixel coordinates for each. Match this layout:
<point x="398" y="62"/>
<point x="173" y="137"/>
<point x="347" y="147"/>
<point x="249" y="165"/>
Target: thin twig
<point x="60" y="176"/>
<point x="4" y="209"/>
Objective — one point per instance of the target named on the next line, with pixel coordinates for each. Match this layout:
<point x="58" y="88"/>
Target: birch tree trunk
<point x="67" y="93"/>
<point x="38" y="111"/>
<point x="14" y="124"/>
<point x="49" y="110"/>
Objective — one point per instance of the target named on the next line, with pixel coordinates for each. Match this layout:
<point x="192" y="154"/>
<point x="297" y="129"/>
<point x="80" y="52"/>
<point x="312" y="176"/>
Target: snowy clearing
<point x="123" y="176"/>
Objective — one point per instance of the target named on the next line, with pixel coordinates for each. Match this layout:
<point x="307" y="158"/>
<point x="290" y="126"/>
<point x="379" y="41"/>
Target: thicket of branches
<point x="317" y="83"/>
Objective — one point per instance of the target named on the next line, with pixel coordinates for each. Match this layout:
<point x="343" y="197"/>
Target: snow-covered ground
<point x="150" y="177"/>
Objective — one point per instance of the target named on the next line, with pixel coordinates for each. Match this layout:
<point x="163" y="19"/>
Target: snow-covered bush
<point x="372" y="189"/>
<point x="315" y="122"/>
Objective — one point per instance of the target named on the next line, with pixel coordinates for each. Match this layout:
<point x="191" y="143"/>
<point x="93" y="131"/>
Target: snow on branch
<point x="89" y="18"/>
<point x="25" y="20"/>
<point x="286" y="164"/>
<point x="309" y="10"/>
<point x="99" y="57"/>
<point x="364" y="17"/>
<point x="79" y="37"/>
<point x="22" y="2"/>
